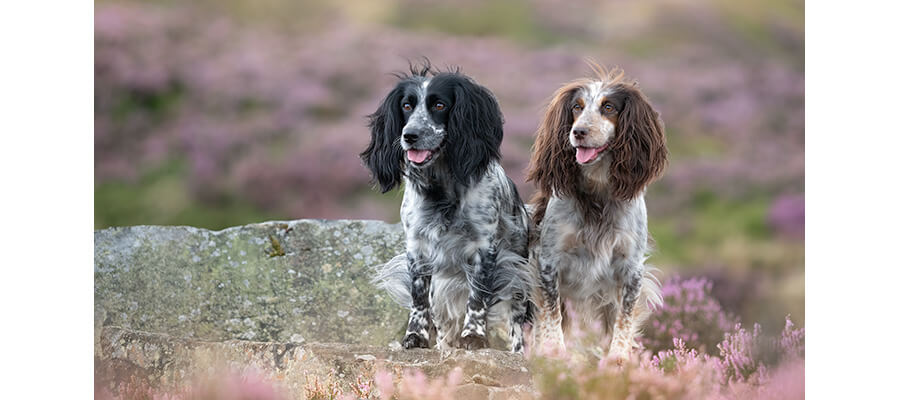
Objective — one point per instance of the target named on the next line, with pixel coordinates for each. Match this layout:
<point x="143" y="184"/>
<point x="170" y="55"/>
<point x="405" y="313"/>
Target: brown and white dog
<point x="599" y="146"/>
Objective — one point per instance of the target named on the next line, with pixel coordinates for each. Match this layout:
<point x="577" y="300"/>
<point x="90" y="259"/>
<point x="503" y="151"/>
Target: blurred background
<point x="226" y="112"/>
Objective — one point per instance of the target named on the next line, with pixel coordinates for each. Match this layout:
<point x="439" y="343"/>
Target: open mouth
<point x="419" y="157"/>
<point x="585" y="155"/>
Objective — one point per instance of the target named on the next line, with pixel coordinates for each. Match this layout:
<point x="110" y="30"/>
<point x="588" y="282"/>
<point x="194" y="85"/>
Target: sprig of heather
<point x="227" y="385"/>
<point x="740" y="359"/>
<point x="746" y="356"/>
<point x="413" y="384"/>
<point x="689" y="314"/>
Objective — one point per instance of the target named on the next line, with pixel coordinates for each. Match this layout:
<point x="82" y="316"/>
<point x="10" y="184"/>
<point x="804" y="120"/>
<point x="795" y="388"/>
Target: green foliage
<point x="693" y="236"/>
<point x="163" y="195"/>
<point x="506" y="18"/>
<point x="276" y="250"/>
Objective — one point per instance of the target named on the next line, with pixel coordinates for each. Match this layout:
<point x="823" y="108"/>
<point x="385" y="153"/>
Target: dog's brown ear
<point x="552" y="166"/>
<point x="639" y="147"/>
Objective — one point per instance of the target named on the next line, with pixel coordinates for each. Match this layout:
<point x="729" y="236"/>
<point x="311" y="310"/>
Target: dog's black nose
<point x="411" y="137"/>
<point x="579" y="132"/>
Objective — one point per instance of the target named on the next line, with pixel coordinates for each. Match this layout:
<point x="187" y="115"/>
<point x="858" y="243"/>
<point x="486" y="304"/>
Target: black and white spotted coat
<point x="468" y="245"/>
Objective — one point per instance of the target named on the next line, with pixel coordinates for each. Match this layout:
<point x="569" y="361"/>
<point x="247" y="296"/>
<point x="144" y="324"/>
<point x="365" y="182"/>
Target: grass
<point x="699" y="234"/>
<point x="732" y="238"/>
<point x="506" y="18"/>
<point x="162" y="196"/>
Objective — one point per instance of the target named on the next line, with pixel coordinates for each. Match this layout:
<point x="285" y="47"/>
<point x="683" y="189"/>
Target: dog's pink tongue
<point x="586" y="154"/>
<point x="417" y="156"/>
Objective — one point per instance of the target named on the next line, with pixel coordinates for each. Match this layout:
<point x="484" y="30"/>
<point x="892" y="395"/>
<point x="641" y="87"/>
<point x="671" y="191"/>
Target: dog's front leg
<point x="474" y="332"/>
<point x="627" y="296"/>
<point x="548" y="322"/>
<point x="518" y="308"/>
<point x="418" y="331"/>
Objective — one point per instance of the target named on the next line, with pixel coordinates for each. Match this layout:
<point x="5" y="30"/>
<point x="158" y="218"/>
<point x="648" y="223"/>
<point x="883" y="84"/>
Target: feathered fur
<point x="466" y="227"/>
<point x="598" y="147"/>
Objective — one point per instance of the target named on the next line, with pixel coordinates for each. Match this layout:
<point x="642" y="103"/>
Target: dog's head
<point x="434" y="120"/>
<point x="592" y="120"/>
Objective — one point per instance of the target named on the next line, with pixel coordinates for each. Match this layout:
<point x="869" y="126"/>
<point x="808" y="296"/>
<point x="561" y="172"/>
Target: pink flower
<point x="384" y="381"/>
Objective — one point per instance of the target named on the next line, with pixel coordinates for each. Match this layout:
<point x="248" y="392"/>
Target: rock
<point x="165" y="362"/>
<point x="288" y="299"/>
<point x="297" y="281"/>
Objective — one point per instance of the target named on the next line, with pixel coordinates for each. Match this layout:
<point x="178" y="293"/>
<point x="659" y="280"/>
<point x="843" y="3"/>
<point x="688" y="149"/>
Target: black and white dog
<point x="466" y="227"/>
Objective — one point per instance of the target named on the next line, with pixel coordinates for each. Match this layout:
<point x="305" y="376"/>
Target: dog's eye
<point x="608" y="108"/>
<point x="439" y="106"/>
<point x="577" y="108"/>
<point x="407" y="107"/>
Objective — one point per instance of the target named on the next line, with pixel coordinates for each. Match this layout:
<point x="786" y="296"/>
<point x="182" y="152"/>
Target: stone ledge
<point x="166" y="362"/>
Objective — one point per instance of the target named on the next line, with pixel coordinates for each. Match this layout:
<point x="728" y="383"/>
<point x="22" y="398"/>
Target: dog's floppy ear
<point x="639" y="147"/>
<point x="552" y="166"/>
<point x="474" y="131"/>
<point x="384" y="156"/>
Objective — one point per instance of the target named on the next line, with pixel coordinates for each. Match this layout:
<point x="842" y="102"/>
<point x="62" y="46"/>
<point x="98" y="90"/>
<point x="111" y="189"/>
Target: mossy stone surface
<point x="292" y="281"/>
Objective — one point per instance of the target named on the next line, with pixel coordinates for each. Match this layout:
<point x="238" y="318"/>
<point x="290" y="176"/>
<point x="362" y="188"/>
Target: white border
<point x="46" y="159"/>
<point x="852" y="149"/>
<point x="852" y="153"/>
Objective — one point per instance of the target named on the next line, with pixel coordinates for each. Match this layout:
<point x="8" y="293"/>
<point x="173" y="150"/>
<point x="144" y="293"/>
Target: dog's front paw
<point x="473" y="341"/>
<point x="619" y="355"/>
<point x="414" y="340"/>
<point x="549" y="340"/>
<point x="552" y="349"/>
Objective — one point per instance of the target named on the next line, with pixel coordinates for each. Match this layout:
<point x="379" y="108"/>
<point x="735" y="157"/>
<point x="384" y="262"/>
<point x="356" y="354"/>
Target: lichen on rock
<point x="292" y="300"/>
<point x="271" y="281"/>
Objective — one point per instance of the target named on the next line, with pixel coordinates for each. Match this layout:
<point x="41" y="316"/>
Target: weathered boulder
<point x="291" y="300"/>
<point x="126" y="357"/>
<point x="295" y="281"/>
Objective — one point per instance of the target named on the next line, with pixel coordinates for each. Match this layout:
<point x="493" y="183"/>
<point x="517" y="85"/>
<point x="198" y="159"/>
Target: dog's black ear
<point x="384" y="156"/>
<point x="474" y="131"/>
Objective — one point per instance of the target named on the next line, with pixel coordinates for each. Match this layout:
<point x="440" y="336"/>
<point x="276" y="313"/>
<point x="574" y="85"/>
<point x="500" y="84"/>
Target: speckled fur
<point x="589" y="258"/>
<point x="594" y="272"/>
<point x="464" y="270"/>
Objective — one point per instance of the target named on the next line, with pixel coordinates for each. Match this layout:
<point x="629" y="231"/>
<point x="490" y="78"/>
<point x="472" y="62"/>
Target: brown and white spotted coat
<point x="599" y="146"/>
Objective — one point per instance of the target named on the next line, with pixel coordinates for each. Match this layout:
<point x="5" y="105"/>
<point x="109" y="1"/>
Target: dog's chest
<point x="442" y="231"/>
<point x="583" y="256"/>
<point x="585" y="262"/>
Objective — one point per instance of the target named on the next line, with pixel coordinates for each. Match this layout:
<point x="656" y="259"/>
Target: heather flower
<point x="787" y="215"/>
<point x="786" y="382"/>
<point x="415" y="385"/>
<point x="260" y="115"/>
<point x="743" y="369"/>
<point x="679" y="358"/>
<point x="690" y="314"/>
<point x="740" y="358"/>
<point x="792" y="342"/>
<point x="231" y="385"/>
<point x="747" y="355"/>
<point x="384" y="382"/>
